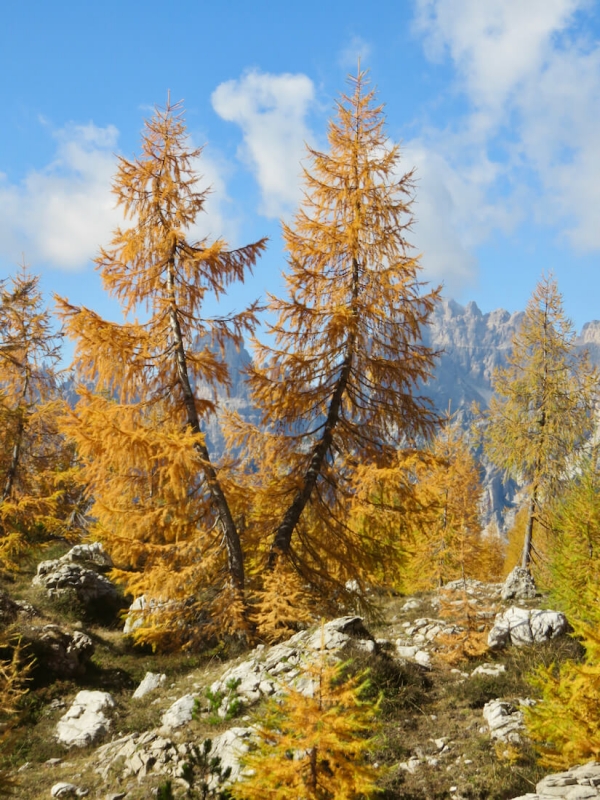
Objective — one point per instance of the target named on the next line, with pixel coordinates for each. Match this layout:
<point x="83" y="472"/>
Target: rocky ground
<point x="105" y="720"/>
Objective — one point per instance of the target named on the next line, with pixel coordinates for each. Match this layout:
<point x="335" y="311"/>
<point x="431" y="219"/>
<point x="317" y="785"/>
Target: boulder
<point x="60" y="579"/>
<point x="523" y="626"/>
<point x="63" y="789"/>
<point x="151" y="682"/>
<point x="85" y="722"/>
<point x="504" y="721"/>
<point x="58" y="653"/>
<point x="519" y="585"/>
<point x="92" y="556"/>
<point x="180" y="713"/>
<point x="578" y="783"/>
<point x="489" y="669"/>
<point x="137" y="611"/>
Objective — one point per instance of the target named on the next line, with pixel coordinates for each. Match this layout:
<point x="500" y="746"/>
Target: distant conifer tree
<point x="542" y="410"/>
<point x="38" y="488"/>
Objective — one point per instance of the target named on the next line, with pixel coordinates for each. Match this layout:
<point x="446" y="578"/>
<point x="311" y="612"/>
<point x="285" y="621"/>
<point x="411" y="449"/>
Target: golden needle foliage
<point x="446" y="536"/>
<point x="38" y="489"/>
<point x="13" y="677"/>
<point x="542" y="411"/>
<point x="314" y="744"/>
<point x="339" y="385"/>
<point x="284" y="605"/>
<point x="388" y="516"/>
<point x="160" y="371"/>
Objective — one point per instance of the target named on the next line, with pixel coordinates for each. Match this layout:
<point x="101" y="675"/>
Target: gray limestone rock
<point x="519" y="585"/>
<point x="230" y="747"/>
<point x="266" y="672"/>
<point x="151" y="682"/>
<point x="59" y="653"/>
<point x="61" y="579"/>
<point x="523" y="626"/>
<point x="92" y="556"/>
<point x="85" y="722"/>
<point x="504" y="721"/>
<point x="180" y="713"/>
<point x="489" y="669"/>
<point x="578" y="783"/>
<point x="65" y="790"/>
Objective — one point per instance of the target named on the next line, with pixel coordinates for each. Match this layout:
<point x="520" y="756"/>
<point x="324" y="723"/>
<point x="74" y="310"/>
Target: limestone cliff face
<point x="471" y="346"/>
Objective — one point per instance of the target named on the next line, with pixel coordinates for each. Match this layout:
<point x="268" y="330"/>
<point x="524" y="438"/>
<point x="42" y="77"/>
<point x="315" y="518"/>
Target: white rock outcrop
<point x="504" y="720"/>
<point x="229" y="747"/>
<point x="85" y="722"/>
<point x="519" y="585"/>
<point x="150" y="682"/>
<point x="138" y="754"/>
<point x="92" y="556"/>
<point x="265" y="672"/>
<point x="64" y="790"/>
<point x="578" y="783"/>
<point x="523" y="626"/>
<point x="180" y="713"/>
<point x="58" y="578"/>
<point x="489" y="669"/>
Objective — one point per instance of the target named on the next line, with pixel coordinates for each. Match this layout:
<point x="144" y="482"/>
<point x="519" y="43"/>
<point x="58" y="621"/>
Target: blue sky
<point x="496" y="102"/>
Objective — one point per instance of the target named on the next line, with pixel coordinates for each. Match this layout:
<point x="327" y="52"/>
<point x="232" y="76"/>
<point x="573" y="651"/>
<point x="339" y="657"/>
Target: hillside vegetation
<point x="346" y="493"/>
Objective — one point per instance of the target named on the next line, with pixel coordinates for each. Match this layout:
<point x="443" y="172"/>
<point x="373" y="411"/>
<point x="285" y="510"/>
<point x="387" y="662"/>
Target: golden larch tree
<point x="158" y="371"/>
<point x="340" y="383"/>
<point x="314" y="743"/>
<point x="542" y="410"/>
<point x="38" y="489"/>
<point x="449" y="487"/>
<point x="565" y="723"/>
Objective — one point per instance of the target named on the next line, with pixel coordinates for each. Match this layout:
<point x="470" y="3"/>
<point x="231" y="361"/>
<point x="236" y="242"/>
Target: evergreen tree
<point x="542" y="411"/>
<point x="157" y="370"/>
<point x="38" y="487"/>
<point x="340" y="385"/>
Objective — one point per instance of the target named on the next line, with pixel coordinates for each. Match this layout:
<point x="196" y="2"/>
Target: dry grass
<point x="419" y="706"/>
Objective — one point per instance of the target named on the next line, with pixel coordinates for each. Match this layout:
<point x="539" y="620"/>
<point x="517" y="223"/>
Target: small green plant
<point x="205" y="774"/>
<point x="165" y="791"/>
<point x="233" y="703"/>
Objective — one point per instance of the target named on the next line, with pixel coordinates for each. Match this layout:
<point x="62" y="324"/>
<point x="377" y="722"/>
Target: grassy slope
<point x="419" y="706"/>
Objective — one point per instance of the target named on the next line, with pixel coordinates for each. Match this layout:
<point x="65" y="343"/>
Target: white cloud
<point x="61" y="214"/>
<point x="271" y="111"/>
<point x="495" y="44"/>
<point x="533" y="88"/>
<point x="452" y="215"/>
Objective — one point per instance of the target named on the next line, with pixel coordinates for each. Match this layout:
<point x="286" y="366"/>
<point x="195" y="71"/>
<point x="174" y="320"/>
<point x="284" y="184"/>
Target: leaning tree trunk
<point x="283" y="535"/>
<point x="235" y="556"/>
